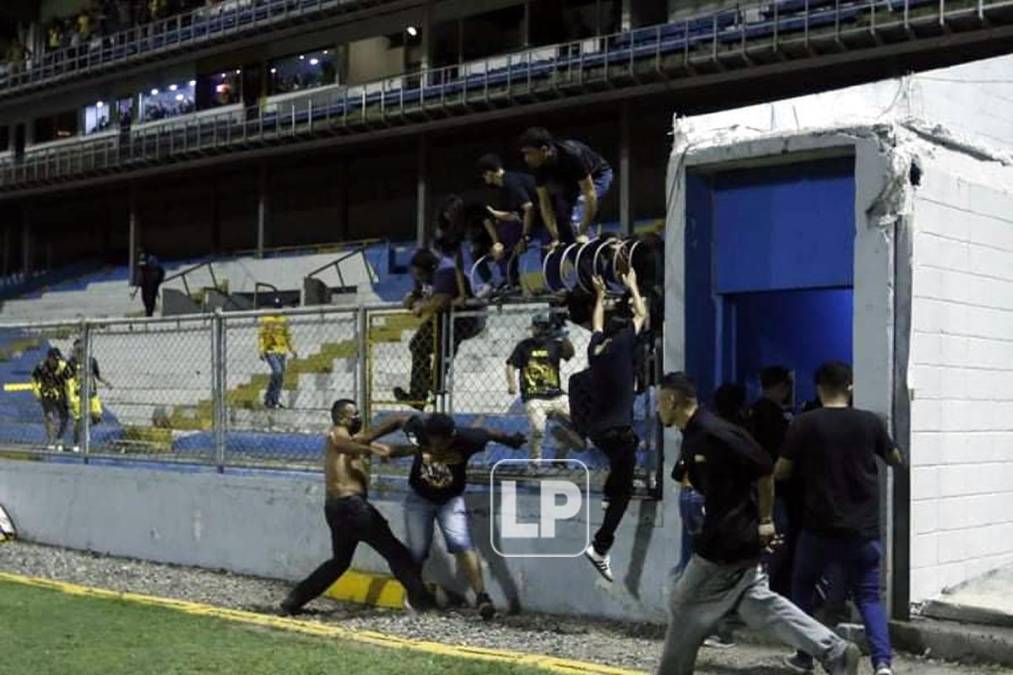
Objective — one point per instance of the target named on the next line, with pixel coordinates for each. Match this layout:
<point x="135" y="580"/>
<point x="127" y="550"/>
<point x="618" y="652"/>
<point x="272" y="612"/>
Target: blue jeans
<point x="601" y="185"/>
<point x="277" y="364"/>
<point x="452" y="517"/>
<point x="691" y="511"/>
<point x="859" y="558"/>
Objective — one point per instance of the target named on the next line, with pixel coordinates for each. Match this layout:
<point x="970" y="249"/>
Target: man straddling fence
<point x="50" y="381"/>
<point x="350" y="516"/>
<point x="439" y="285"/>
<point x="275" y="344"/>
<point x="76" y="365"/>
<point x="437" y="480"/>
<point x="536" y="360"/>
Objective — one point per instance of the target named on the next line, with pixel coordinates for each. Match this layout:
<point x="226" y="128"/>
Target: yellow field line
<point x="548" y="663"/>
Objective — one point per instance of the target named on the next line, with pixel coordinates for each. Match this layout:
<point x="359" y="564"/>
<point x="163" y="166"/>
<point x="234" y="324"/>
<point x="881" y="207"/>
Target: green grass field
<point x="45" y="632"/>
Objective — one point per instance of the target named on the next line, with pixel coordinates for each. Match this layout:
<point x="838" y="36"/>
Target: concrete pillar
<point x="262" y="209"/>
<point x="7" y="250"/>
<point x="526" y="25"/>
<point x="626" y="15"/>
<point x="26" y="240"/>
<point x="344" y="232"/>
<point x="424" y="33"/>
<point x="134" y="241"/>
<point x="422" y="193"/>
<point x="625" y="169"/>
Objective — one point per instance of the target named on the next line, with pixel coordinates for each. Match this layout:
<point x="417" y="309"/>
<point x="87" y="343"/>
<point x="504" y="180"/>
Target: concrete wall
<point x="961" y="361"/>
<point x="273" y="527"/>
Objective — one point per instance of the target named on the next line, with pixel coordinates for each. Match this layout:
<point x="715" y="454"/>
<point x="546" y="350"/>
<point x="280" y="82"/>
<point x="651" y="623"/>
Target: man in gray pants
<point x="734" y="474"/>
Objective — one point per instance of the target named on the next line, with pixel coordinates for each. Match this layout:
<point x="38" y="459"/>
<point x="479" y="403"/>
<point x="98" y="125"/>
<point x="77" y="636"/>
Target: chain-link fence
<point x="256" y="388"/>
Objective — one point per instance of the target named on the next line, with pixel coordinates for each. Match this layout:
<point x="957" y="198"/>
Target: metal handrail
<point x="348" y="106"/>
<point x="336" y="264"/>
<point x="182" y="274"/>
<point x="163" y="35"/>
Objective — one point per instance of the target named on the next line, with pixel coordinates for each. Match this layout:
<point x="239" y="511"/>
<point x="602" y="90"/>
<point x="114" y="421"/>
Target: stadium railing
<point x="753" y="33"/>
<point x="191" y="389"/>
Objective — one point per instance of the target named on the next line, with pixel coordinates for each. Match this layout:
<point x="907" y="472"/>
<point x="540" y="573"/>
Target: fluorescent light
<point x="302" y="57"/>
<point x="326" y="51"/>
<point x="154" y="92"/>
<point x="412" y="31"/>
<point x="314" y="62"/>
<point x="99" y="104"/>
<point x="173" y="87"/>
<point x="274" y="70"/>
<point x="179" y="97"/>
<point x="192" y="83"/>
<point x="238" y="72"/>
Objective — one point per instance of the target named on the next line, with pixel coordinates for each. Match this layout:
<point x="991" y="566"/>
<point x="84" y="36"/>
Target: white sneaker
<point x="602" y="563"/>
<point x="884" y="669"/>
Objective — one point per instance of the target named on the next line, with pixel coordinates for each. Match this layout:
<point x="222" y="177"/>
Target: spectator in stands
<point x="275" y="345"/>
<point x="75" y="387"/>
<point x="441" y="452"/>
<point x="609" y="421"/>
<point x="50" y="382"/>
<point x="439" y="285"/>
<point x="581" y="176"/>
<point x="518" y="202"/>
<point x="833" y="450"/>
<point x="733" y="473"/>
<point x="350" y="516"/>
<point x="536" y="360"/>
<point x="150" y="275"/>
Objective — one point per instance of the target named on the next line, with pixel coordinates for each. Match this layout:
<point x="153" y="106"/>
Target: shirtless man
<point x="350" y="516"/>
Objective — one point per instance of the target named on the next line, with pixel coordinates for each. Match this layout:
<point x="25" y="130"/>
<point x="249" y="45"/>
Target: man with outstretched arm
<point x="734" y="474"/>
<point x="350" y="516"/>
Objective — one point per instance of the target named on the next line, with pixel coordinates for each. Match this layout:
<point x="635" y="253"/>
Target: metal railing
<point x="184" y="273"/>
<point x="179" y="33"/>
<point x="358" y="251"/>
<point x="732" y="39"/>
<point x="254" y="388"/>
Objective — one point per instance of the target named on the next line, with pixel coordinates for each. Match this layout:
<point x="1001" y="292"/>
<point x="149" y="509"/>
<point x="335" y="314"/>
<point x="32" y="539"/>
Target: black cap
<point x="53" y="351"/>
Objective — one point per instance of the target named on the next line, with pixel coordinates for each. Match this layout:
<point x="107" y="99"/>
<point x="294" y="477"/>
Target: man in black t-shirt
<point x="535" y="362"/>
<point x="724" y="463"/>
<point x="833" y="450"/>
<point x="611" y="356"/>
<point x="579" y="175"/>
<point x="769" y="418"/>
<point x="438" y="476"/>
<point x="519" y="203"/>
<point x="438" y="285"/>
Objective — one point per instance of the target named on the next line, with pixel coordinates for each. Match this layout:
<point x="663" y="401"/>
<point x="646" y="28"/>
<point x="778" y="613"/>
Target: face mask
<point x="355" y="425"/>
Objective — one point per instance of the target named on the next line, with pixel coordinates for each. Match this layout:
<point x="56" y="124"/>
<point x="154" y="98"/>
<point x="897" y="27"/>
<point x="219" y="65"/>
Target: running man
<point x="275" y="344"/>
<point x="50" y="381"/>
<point x="437" y="479"/>
<point x="536" y="360"/>
<point x="611" y="365"/>
<point x="723" y="576"/>
<point x="94" y="402"/>
<point x="581" y="176"/>
<point x="350" y="516"/>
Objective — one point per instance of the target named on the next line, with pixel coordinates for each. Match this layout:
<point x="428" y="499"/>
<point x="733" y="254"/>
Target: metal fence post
<point x="362" y="382"/>
<point x="87" y="384"/>
<point x="218" y="386"/>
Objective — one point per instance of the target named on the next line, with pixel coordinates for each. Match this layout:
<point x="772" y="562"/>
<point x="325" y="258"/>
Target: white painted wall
<point x="961" y="373"/>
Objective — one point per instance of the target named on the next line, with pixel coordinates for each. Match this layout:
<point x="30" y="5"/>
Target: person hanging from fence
<point x="534" y="363"/>
<point x="437" y="479"/>
<point x="350" y="516"/>
<point x="76" y="386"/>
<point x="50" y="381"/>
<point x="276" y="344"/>
<point x="439" y="285"/>
<point x="578" y="174"/>
<point x="602" y="398"/>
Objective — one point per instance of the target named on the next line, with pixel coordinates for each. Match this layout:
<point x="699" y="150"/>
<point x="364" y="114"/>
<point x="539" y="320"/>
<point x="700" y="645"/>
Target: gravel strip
<point x="627" y="645"/>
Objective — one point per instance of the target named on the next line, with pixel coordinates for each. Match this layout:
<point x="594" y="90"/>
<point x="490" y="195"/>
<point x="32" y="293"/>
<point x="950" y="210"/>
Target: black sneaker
<point x="288" y="608"/>
<point x="485" y="607"/>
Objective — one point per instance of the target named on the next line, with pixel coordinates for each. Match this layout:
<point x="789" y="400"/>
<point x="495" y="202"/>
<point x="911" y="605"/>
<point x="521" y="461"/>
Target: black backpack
<point x="581" y="394"/>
